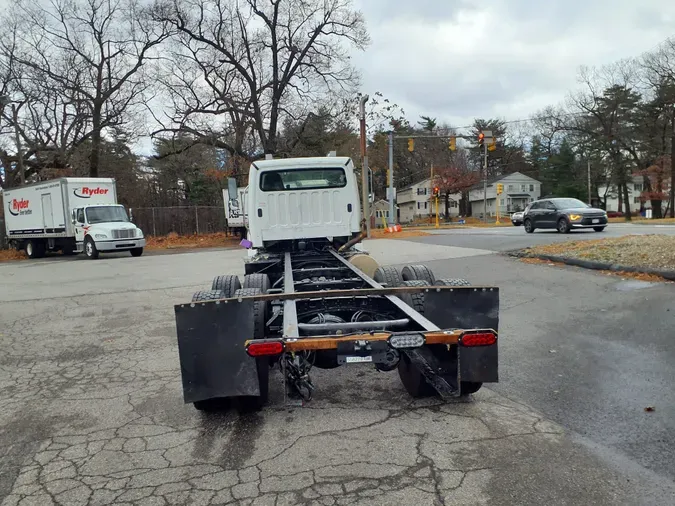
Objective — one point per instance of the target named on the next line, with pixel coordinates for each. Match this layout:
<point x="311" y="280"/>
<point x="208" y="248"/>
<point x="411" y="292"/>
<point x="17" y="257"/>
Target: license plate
<point x="357" y="360"/>
<point x="596" y="221"/>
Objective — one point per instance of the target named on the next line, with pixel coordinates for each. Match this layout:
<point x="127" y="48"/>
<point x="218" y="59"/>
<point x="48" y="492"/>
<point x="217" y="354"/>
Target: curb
<point x="598" y="266"/>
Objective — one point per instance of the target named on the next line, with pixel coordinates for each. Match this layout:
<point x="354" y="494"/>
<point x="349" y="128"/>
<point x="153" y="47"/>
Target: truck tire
<point x="469" y="387"/>
<point x="204" y="295"/>
<point x="35" y="248"/>
<point x="136" y="252"/>
<point x="414" y="300"/>
<point x="261" y="281"/>
<point x="419" y="271"/>
<point x="90" y="250"/>
<point x="452" y="282"/>
<point x="227" y="283"/>
<point x="388" y="276"/>
<point x="413" y="380"/>
<point x="252" y="403"/>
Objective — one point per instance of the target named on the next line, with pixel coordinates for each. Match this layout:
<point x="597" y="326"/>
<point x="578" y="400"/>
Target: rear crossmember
<point x="320" y="304"/>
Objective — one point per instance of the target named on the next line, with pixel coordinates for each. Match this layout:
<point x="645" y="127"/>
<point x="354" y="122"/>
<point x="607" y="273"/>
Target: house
<point x="519" y="190"/>
<point x="415" y="202"/>
<point x="380" y="212"/>
<point x="609" y="197"/>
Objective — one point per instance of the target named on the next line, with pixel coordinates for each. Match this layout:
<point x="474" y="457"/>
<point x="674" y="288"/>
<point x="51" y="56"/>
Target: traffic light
<point x="500" y="188"/>
<point x="436" y="191"/>
<point x="493" y="144"/>
<point x="411" y="145"/>
<point x="481" y="139"/>
<point x="453" y="143"/>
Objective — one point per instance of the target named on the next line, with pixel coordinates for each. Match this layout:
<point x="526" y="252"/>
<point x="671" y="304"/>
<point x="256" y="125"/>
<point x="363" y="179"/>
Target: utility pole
<point x="364" y="166"/>
<point x="589" y="183"/>
<point x="392" y="219"/>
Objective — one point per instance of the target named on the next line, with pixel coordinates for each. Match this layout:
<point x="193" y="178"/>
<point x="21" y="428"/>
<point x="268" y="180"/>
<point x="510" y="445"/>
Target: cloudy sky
<point x="456" y="60"/>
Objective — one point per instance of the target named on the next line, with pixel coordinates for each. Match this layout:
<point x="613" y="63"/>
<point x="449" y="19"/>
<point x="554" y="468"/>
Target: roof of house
<point x="497" y="179"/>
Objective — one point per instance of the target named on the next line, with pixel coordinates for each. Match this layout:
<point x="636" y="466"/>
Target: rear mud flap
<point x="466" y="308"/>
<point x="213" y="359"/>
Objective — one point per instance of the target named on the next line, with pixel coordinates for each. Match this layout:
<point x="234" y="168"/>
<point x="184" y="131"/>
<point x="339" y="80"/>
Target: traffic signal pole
<point x="392" y="217"/>
<point x="485" y="167"/>
<point x="364" y="166"/>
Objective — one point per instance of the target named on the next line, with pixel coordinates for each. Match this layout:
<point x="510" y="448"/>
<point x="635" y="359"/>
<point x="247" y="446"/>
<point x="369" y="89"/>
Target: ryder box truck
<point x="72" y="215"/>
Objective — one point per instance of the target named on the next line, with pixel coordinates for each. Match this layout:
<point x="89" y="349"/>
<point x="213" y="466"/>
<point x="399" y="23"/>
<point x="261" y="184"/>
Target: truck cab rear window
<point x="302" y="179"/>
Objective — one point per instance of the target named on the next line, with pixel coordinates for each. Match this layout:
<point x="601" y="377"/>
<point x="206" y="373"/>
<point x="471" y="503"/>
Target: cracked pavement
<point x="91" y="412"/>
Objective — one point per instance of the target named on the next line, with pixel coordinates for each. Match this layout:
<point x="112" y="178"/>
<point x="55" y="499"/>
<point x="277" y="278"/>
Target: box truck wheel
<point x="136" y="252"/>
<point x="90" y="248"/>
<point x="35" y="248"/>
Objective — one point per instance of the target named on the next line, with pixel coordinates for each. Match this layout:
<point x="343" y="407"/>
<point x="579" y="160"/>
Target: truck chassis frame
<point x="315" y="308"/>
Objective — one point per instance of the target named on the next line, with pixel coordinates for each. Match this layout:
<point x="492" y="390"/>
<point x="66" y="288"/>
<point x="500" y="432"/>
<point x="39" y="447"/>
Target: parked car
<point x="563" y="214"/>
<point x="517" y="218"/>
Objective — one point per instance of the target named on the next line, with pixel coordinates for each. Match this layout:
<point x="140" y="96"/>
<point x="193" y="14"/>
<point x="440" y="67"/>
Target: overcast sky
<point x="456" y="60"/>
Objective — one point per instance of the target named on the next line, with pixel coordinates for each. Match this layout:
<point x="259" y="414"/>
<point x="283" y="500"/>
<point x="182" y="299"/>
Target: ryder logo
<point x="86" y="193"/>
<point x="19" y="207"/>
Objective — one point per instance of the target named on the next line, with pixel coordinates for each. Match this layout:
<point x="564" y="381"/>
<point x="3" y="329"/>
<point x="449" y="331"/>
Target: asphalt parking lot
<point x="91" y="408"/>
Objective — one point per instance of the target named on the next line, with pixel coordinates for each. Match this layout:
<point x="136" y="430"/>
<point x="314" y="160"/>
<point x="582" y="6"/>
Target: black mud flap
<point x="213" y="359"/>
<point x="468" y="308"/>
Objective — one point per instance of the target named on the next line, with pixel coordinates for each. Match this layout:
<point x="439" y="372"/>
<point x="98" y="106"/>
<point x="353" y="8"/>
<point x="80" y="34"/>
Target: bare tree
<point x="245" y="65"/>
<point x="92" y="53"/>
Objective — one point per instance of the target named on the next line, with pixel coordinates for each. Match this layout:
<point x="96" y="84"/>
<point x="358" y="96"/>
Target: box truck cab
<point x="72" y="215"/>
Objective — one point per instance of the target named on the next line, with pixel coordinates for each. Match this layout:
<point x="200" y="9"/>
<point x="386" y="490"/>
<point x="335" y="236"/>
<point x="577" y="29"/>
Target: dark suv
<point x="563" y="215"/>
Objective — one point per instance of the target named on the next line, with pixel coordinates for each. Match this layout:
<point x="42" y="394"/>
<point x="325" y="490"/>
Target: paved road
<point x="91" y="409"/>
<point x="510" y="238"/>
<point x="590" y="351"/>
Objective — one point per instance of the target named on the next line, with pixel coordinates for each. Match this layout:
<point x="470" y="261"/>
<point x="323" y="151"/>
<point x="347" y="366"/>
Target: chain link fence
<point x="157" y="221"/>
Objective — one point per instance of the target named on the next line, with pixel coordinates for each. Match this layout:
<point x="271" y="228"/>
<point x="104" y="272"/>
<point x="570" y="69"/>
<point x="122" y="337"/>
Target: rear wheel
<point x="469" y="387"/>
<point x="598" y="229"/>
<point x="414" y="300"/>
<point x="256" y="403"/>
<point x="421" y="272"/>
<point x="260" y="281"/>
<point x="227" y="283"/>
<point x="529" y="228"/>
<point x="388" y="275"/>
<point x="35" y="248"/>
<point x="452" y="282"/>
<point x="413" y="380"/>
<point x="204" y="295"/>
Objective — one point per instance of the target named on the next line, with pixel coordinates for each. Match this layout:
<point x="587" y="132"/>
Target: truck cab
<point x="302" y="199"/>
<point x="105" y="228"/>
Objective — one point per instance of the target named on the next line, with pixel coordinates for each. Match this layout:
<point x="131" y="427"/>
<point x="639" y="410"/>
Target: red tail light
<point x="479" y="339"/>
<point x="264" y="348"/>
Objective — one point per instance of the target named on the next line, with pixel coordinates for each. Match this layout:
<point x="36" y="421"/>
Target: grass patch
<point x="175" y="241"/>
<point x="652" y="251"/>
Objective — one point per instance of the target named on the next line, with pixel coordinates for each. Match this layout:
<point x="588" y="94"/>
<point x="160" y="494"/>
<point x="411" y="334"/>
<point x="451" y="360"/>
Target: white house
<point x="416" y="202"/>
<point x="519" y="190"/>
<point x="609" y="196"/>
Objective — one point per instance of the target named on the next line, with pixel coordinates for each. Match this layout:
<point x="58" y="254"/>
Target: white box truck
<point x="235" y="209"/>
<point x="72" y="215"/>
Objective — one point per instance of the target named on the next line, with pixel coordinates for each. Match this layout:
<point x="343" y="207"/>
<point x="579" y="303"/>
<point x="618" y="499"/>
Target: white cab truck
<point x="306" y="198"/>
<point x="72" y="215"/>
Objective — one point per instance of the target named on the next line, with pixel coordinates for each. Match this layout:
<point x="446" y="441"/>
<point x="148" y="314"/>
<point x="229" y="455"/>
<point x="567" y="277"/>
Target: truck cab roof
<point x="302" y="163"/>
